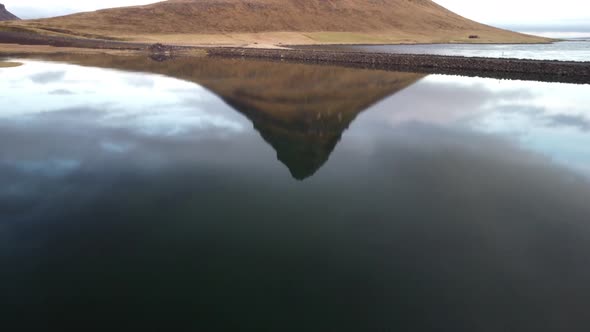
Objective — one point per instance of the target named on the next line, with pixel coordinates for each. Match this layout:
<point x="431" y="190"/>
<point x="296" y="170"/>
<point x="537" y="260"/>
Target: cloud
<point x="141" y="82"/>
<point x="30" y="12"/>
<point x="444" y="105"/>
<point x="31" y="9"/>
<point x="494" y="12"/>
<point x="61" y="92"/>
<point x="566" y="120"/>
<point x="48" y="77"/>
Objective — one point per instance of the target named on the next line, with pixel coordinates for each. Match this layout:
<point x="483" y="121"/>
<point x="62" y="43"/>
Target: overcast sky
<point x="509" y="13"/>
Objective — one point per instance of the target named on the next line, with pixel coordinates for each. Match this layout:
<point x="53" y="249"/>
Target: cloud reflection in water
<point x="440" y="206"/>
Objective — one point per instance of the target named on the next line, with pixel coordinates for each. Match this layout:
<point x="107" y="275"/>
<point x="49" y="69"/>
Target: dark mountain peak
<point x="5" y="15"/>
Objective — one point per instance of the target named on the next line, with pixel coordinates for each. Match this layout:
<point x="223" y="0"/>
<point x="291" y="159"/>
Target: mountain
<point x="301" y="110"/>
<point x="293" y="21"/>
<point x="5" y="15"/>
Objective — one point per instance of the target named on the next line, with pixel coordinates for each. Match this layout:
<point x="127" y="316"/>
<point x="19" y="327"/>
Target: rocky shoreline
<point x="27" y="38"/>
<point x="537" y="70"/>
<point x="541" y="70"/>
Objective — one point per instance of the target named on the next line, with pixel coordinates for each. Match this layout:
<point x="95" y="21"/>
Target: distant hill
<point x="5" y="15"/>
<point x="295" y="21"/>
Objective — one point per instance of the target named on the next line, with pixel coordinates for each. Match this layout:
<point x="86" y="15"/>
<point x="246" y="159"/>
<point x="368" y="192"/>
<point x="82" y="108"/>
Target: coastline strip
<point x="537" y="70"/>
<point x="501" y="68"/>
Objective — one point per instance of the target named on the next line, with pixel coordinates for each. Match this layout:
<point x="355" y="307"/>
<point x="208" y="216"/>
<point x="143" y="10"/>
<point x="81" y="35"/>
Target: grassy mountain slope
<point x="298" y="21"/>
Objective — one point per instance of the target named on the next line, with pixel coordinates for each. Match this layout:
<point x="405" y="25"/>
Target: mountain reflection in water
<point x="300" y="110"/>
<point x="118" y="214"/>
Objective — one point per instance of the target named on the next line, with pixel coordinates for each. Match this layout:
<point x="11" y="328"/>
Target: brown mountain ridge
<point x="288" y="21"/>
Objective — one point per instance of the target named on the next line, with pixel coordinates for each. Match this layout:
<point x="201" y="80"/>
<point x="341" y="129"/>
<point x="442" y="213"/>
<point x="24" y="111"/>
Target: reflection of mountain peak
<point x="301" y="110"/>
<point x="302" y="146"/>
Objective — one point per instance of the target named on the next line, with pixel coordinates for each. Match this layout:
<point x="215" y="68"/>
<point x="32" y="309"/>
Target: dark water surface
<point x="204" y="195"/>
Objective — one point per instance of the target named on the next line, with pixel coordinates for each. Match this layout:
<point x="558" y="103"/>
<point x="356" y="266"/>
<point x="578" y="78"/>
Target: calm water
<point x="224" y="194"/>
<point x="564" y="51"/>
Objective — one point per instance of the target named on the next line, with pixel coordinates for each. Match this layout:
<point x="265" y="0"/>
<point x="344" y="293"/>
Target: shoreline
<point x="553" y="41"/>
<point x="539" y="70"/>
<point x="26" y="44"/>
<point x="9" y="64"/>
<point x="29" y="38"/>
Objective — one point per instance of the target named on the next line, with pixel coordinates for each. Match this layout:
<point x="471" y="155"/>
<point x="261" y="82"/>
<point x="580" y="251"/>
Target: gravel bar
<point x="537" y="70"/>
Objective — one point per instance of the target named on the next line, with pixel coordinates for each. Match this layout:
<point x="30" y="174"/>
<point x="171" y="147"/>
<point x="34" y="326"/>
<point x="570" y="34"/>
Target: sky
<point x="531" y="15"/>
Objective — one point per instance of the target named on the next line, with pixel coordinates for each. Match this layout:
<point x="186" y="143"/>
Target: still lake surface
<point x="216" y="194"/>
<point x="572" y="50"/>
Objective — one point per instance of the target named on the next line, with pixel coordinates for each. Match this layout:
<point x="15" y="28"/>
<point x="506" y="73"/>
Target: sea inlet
<point x="218" y="194"/>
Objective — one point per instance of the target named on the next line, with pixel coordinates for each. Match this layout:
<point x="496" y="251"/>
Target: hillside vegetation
<point x="288" y="21"/>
